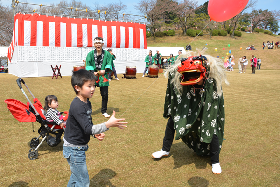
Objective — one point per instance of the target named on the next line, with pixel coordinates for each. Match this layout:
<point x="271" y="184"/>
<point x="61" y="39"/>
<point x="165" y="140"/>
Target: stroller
<point x="49" y="130"/>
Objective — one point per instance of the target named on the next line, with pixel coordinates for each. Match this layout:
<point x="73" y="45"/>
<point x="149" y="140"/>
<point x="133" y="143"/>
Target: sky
<point x="261" y="4"/>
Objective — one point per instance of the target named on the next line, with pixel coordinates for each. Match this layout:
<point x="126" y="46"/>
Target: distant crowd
<point x="271" y="45"/>
<point x="243" y="62"/>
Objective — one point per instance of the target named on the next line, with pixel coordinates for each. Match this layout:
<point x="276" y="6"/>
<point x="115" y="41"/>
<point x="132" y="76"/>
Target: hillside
<point x="270" y="57"/>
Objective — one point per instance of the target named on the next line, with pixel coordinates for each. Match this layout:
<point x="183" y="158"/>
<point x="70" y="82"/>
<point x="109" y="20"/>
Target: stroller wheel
<point x="33" y="154"/>
<point x="34" y="142"/>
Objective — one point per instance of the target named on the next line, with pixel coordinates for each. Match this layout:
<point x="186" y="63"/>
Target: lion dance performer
<point x="194" y="104"/>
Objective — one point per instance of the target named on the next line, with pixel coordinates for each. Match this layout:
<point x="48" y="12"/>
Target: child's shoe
<point x="117" y="79"/>
<point x="106" y="115"/>
<point x="216" y="168"/>
<point x="160" y="154"/>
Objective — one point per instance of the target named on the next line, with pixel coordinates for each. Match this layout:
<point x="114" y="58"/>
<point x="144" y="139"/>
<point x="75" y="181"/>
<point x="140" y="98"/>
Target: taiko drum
<point x="153" y="71"/>
<point x="130" y="72"/>
<point x="76" y="68"/>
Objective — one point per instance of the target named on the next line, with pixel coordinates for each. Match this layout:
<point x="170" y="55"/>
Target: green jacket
<point x="106" y="64"/>
<point x="113" y="58"/>
<point x="147" y="60"/>
<point x="159" y="60"/>
<point x="171" y="60"/>
<point x="176" y="57"/>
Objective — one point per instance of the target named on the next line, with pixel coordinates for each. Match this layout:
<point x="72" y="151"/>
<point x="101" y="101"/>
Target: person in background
<point x="263" y="45"/>
<point x="259" y="64"/>
<point x="253" y="64"/>
<point x="157" y="59"/>
<point x="230" y="64"/>
<point x="149" y="60"/>
<point x="99" y="62"/>
<point x="244" y="64"/>
<point x="179" y="53"/>
<point x="171" y="60"/>
<point x="240" y="62"/>
<point x="276" y="45"/>
<point x="113" y="66"/>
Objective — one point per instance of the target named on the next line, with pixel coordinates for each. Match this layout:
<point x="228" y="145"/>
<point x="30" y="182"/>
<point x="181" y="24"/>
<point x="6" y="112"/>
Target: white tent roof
<point x="3" y="51"/>
<point x="166" y="51"/>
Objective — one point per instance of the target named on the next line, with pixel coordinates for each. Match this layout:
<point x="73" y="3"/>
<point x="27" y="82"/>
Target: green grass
<point x="250" y="154"/>
<point x="270" y="57"/>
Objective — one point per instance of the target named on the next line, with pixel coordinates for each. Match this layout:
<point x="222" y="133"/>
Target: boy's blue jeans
<point x="76" y="158"/>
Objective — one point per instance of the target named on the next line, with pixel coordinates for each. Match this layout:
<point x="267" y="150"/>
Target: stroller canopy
<point x="20" y="111"/>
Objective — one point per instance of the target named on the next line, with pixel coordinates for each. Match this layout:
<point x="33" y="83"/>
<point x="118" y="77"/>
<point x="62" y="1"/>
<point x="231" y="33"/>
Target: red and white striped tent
<point x="41" y="33"/>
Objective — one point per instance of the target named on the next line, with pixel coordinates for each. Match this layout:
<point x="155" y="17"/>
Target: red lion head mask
<point x="193" y="70"/>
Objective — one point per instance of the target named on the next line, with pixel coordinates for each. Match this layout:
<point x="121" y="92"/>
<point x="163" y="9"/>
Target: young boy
<point x="79" y="127"/>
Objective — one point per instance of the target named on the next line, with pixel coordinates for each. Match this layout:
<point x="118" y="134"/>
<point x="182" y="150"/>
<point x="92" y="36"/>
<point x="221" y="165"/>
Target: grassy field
<point x="270" y="57"/>
<point x="250" y="154"/>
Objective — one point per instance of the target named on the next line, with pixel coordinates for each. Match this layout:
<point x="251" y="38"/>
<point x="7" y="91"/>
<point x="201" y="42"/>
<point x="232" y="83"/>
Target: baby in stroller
<point x="51" y="112"/>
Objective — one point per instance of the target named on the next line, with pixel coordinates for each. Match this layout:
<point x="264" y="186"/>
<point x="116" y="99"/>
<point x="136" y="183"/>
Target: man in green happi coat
<point x="194" y="106"/>
<point x="99" y="62"/>
<point x="179" y="53"/>
<point x="149" y="60"/>
<point x="157" y="58"/>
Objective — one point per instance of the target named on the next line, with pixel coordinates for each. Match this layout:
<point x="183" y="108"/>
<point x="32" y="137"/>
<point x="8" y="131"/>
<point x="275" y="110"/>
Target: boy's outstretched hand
<point x="100" y="136"/>
<point x="114" y="122"/>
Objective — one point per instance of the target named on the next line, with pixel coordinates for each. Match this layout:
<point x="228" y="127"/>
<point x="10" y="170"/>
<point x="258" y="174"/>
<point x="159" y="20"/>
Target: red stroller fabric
<point x="39" y="108"/>
<point x="20" y="111"/>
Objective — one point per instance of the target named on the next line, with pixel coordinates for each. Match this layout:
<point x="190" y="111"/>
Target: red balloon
<point x="222" y="10"/>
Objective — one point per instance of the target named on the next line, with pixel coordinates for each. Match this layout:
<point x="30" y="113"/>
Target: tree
<point x="185" y="14"/>
<point x="236" y="18"/>
<point x="6" y="25"/>
<point x="260" y="18"/>
<point x="202" y="9"/>
<point x="113" y="11"/>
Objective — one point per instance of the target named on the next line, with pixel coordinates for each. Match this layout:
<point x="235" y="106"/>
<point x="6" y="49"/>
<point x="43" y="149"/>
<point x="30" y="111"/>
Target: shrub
<point x="223" y="33"/>
<point x="236" y="33"/>
<point x="159" y="34"/>
<point x="267" y="32"/>
<point x="243" y="29"/>
<point x="256" y="30"/>
<point x="228" y="30"/>
<point x="238" y="28"/>
<point x="215" y="32"/>
<point x="279" y="33"/>
<point x="148" y="34"/>
<point x="199" y="31"/>
<point x="191" y="32"/>
<point x="171" y="33"/>
<point x="165" y="33"/>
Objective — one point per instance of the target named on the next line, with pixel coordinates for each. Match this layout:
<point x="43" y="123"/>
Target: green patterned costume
<point x="198" y="114"/>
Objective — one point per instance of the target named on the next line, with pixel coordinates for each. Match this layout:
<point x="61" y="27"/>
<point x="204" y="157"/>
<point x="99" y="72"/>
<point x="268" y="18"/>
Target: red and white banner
<point x="53" y="31"/>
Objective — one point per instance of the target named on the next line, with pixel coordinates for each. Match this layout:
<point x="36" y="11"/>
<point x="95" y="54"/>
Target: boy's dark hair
<point x="109" y="50"/>
<point x="48" y="101"/>
<point x="98" y="38"/>
<point x="80" y="77"/>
